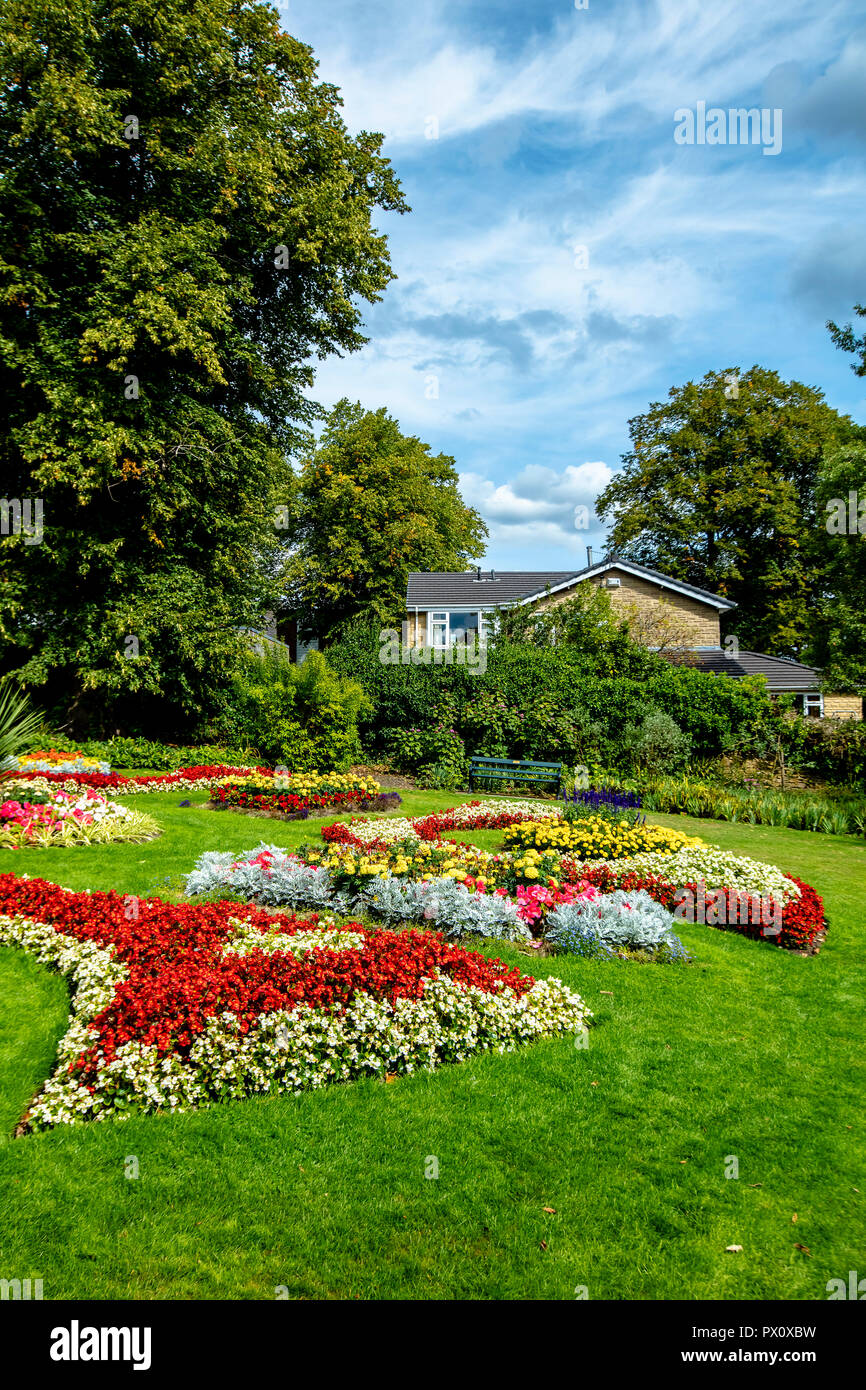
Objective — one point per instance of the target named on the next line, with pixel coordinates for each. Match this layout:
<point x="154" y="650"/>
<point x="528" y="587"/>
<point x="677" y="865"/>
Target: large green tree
<point x="185" y="226"/>
<point x="839" y="627"/>
<point x="370" y="504"/>
<point x="718" y="490"/>
<point x="839" y="634"/>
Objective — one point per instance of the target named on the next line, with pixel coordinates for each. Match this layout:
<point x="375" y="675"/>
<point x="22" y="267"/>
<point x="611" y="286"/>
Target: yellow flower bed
<point x="304" y="784"/>
<point x="425" y="859"/>
<point x="596" y="838"/>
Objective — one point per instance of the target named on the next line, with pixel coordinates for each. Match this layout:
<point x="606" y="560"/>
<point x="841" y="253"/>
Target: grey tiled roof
<point x="444" y="588"/>
<point x="781" y="673"/>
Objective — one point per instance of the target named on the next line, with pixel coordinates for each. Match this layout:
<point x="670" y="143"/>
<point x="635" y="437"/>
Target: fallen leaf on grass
<point x="551" y="1211"/>
<point x="794" y="1217"/>
<point x="756" y="1184"/>
<point x="610" y="992"/>
<point x="805" y="1249"/>
<point x="544" y="1245"/>
<point x="733" y="1249"/>
<point x="391" y="1076"/>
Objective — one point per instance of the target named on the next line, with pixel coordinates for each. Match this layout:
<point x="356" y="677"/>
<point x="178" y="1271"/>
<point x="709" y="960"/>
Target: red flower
<point x="179" y="974"/>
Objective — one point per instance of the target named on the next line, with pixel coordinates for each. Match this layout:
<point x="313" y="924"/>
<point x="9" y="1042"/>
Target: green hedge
<point x="162" y="757"/>
<point x="551" y="703"/>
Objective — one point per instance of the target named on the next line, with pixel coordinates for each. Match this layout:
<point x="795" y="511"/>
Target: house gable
<point x="661" y="611"/>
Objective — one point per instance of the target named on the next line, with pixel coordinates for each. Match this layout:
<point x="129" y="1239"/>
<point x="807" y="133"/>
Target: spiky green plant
<point x="18" y="721"/>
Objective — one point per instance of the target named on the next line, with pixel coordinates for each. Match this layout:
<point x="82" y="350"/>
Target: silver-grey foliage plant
<point x="617" y="921"/>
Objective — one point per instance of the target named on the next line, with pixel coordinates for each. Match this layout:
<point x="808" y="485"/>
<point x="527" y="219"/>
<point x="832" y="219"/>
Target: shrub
<point x="658" y="742"/>
<point x="834" y="749"/>
<point x="304" y="716"/>
<point x="617" y="922"/>
<point x="436" y="753"/>
<point x="145" y="752"/>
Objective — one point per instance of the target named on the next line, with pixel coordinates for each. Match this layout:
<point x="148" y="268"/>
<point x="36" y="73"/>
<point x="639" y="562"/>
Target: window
<point x="813" y="706"/>
<point x="463" y="625"/>
<point x="447" y="626"/>
<point x="437" y="629"/>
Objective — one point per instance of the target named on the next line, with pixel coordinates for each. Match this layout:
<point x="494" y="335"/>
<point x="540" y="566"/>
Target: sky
<point x="567" y="261"/>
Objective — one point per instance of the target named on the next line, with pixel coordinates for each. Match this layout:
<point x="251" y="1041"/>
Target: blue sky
<point x="500" y="342"/>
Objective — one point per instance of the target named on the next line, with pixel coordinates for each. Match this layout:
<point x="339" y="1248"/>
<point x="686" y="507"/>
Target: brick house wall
<point x="700" y="620"/>
<point x="843" y="707"/>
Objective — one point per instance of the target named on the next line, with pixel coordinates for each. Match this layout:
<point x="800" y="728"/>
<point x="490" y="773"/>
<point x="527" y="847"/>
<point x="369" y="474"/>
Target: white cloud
<point x="537" y="507"/>
<point x="597" y="65"/>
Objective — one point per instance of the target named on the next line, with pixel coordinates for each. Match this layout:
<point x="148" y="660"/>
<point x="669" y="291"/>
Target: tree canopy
<point x="839" y="623"/>
<point x="369" y="505"/>
<point x="185" y="227"/>
<point x="719" y="490"/>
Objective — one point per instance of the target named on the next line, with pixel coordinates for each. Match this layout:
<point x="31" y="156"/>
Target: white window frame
<point x="434" y="620"/>
<point x="807" y="705"/>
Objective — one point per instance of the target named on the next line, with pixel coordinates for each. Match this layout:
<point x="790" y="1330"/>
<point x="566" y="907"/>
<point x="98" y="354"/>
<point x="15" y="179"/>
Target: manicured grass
<point x="752" y="1053"/>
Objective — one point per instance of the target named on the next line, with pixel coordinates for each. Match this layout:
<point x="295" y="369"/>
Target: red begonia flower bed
<point x="184" y="999"/>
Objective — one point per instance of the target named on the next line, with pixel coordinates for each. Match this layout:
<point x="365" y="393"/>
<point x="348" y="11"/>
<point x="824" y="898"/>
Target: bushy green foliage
<point x="551" y="704"/>
<point x="186" y="226"/>
<point x="586" y="621"/>
<point x="839" y="624"/>
<point x="834" y="749"/>
<point x="437" y="753"/>
<point x="797" y="810"/>
<point x="161" y="757"/>
<point x="303" y="716"/>
<point x="657" y="742"/>
<point x="718" y="490"/>
<point x="369" y="504"/>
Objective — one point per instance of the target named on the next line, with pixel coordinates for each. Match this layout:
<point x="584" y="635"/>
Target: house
<point x="682" y="622"/>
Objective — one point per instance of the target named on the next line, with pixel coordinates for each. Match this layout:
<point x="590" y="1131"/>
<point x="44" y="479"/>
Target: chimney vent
<point x="589" y="554"/>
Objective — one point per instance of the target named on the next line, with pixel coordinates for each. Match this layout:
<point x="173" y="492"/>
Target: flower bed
<point x="459" y="904"/>
<point x="181" y="1006"/>
<point x="717" y="868"/>
<point x="474" y="815"/>
<point x="598" y="838"/>
<point x="53" y="760"/>
<point x="362" y="868"/>
<point x="294" y="797"/>
<point x="797" y="908"/>
<point x="114" y="784"/>
<point x="60" y="819"/>
<point x="481" y="815"/>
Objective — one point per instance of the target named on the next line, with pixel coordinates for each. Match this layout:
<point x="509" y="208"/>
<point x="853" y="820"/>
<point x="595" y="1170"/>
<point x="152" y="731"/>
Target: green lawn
<point x="752" y="1053"/>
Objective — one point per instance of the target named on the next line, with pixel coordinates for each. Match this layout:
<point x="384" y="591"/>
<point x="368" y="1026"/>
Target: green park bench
<point x="512" y="770"/>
